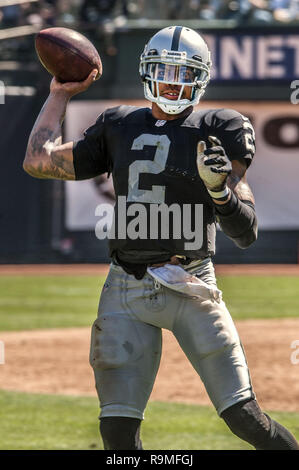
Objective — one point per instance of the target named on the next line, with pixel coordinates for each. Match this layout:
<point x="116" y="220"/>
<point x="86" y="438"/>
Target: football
<point x="67" y="54"/>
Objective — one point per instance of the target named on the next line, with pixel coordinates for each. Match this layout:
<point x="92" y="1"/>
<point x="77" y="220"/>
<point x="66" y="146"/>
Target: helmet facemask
<point x="173" y="68"/>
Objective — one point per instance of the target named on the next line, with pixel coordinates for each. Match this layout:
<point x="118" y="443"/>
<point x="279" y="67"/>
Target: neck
<point x="161" y="115"/>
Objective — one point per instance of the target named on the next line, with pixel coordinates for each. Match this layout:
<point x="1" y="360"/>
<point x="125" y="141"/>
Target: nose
<point x="174" y="87"/>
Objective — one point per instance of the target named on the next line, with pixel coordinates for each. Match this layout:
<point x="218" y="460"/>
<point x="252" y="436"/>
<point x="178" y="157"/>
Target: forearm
<point x="46" y="135"/>
<point x="234" y="207"/>
<point x="238" y="220"/>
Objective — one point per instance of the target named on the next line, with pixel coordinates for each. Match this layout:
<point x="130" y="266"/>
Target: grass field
<point x="48" y="422"/>
<point x="54" y="422"/>
<point x="48" y="301"/>
<point x="69" y="301"/>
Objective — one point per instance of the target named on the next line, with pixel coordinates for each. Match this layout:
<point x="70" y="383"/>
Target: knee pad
<point x="120" y="433"/>
<point x="247" y="421"/>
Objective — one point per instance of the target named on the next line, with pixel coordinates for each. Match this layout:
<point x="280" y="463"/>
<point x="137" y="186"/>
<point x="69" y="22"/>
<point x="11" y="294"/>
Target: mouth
<point x="171" y="95"/>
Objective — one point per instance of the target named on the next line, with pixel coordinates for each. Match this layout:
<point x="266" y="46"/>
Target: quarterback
<point x="165" y="155"/>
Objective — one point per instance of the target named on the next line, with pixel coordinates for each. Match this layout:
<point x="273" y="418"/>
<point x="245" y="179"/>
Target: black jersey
<point x="160" y="197"/>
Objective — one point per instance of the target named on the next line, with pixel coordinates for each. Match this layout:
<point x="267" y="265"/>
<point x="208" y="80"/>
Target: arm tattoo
<point x="44" y="159"/>
<point x="61" y="162"/>
<point x="49" y="164"/>
<point x="38" y="140"/>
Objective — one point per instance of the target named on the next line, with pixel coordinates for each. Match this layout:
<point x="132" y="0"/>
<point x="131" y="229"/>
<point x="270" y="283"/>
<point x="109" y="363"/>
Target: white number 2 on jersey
<point x="156" y="166"/>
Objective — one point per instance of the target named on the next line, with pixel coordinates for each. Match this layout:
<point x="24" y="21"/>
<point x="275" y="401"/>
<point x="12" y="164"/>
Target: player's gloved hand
<point x="213" y="164"/>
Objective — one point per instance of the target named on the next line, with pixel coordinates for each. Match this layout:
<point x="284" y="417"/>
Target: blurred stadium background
<point x="255" y="51"/>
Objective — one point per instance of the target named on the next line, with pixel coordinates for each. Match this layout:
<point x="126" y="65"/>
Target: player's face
<point x="171" y="91"/>
<point x="170" y="74"/>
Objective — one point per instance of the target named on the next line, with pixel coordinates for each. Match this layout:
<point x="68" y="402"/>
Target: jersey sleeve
<point x="236" y="134"/>
<point x="90" y="156"/>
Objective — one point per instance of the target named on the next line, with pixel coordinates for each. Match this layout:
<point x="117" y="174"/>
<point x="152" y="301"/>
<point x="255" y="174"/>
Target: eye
<point x="189" y="76"/>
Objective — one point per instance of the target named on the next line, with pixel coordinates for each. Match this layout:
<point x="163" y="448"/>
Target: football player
<point x="189" y="169"/>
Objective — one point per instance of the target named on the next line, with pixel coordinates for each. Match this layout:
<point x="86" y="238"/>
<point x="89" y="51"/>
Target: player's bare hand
<point x="73" y="88"/>
<point x="213" y="164"/>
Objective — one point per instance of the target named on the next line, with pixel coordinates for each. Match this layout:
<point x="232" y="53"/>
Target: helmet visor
<point x="172" y="73"/>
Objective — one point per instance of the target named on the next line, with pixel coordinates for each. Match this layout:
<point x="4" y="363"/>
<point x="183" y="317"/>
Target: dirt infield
<point x="56" y="361"/>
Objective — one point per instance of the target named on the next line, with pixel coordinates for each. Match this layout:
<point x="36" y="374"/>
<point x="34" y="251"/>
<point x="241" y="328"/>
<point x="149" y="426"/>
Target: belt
<point x="176" y="259"/>
<point x="187" y="263"/>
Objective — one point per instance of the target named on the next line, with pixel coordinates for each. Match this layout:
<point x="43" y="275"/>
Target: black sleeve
<point x="238" y="221"/>
<point x="236" y="134"/>
<point x="90" y="156"/>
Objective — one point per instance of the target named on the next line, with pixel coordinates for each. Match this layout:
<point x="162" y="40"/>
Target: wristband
<point x="221" y="195"/>
<point x="228" y="207"/>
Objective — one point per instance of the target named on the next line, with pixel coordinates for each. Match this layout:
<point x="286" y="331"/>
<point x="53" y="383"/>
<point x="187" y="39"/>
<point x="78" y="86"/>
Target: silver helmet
<point x="179" y="56"/>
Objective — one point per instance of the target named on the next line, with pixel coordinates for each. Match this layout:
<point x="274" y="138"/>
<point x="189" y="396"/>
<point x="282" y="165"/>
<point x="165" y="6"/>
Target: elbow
<point x="28" y="168"/>
<point x="247" y="239"/>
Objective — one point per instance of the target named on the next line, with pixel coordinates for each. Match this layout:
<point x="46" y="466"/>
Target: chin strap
<point x="170" y="109"/>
